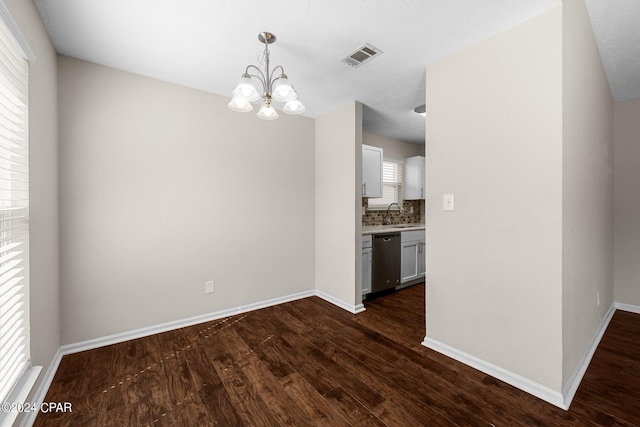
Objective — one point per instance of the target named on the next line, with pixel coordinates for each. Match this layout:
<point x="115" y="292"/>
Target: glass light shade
<point x="241" y="105"/>
<point x="246" y="89"/>
<point x="282" y="90"/>
<point x="267" y="112"/>
<point x="294" y="107"/>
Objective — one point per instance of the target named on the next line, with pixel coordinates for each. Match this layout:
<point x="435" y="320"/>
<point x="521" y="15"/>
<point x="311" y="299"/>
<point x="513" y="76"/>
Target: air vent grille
<point x="361" y="55"/>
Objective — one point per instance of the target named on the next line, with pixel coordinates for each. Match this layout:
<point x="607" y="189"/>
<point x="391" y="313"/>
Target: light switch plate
<point x="448" y="202"/>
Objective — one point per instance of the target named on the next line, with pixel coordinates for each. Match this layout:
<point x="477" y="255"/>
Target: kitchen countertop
<point x="376" y="229"/>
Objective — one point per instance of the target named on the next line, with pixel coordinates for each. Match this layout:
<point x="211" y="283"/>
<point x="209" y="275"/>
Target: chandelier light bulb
<point x="240" y="105"/>
<point x="294" y="107"/>
<point x="246" y="89"/>
<point x="282" y="90"/>
<point x="267" y="112"/>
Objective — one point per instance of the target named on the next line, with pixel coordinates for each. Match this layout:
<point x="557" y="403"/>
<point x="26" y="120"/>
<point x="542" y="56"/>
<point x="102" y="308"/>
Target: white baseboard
<point x="355" y="309"/>
<point x="570" y="389"/>
<point x="560" y="399"/>
<point x="628" y="307"/>
<point x="168" y="326"/>
<point x="538" y="390"/>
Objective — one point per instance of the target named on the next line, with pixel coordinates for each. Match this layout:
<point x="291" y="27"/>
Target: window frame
<point x="17" y="58"/>
<point x="382" y="203"/>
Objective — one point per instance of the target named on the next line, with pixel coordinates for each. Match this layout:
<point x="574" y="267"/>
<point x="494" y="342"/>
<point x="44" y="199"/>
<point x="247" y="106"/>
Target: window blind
<point x="391" y="185"/>
<point x="14" y="212"/>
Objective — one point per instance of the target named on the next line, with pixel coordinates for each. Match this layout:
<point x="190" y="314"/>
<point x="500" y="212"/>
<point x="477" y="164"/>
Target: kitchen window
<point x="391" y="186"/>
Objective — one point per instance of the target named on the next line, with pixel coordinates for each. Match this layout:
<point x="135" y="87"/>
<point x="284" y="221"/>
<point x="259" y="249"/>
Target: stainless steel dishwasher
<point x="385" y="273"/>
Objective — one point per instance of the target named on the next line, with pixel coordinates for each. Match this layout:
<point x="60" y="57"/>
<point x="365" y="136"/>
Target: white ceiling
<point x="206" y="44"/>
<point x="616" y="25"/>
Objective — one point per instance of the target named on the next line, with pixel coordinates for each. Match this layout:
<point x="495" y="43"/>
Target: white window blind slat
<point x="12" y="317"/>
<point x="15" y="356"/>
<point x="14" y="342"/>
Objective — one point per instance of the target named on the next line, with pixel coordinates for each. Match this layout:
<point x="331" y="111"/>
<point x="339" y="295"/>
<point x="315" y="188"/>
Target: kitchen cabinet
<point x="414" y="178"/>
<point x="371" y="171"/>
<point x="367" y="261"/>
<point x="413" y="263"/>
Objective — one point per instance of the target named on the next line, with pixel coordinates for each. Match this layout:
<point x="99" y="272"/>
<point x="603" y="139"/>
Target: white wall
<point x="338" y="208"/>
<point x="162" y="188"/>
<point x="627" y="202"/>
<point x="494" y="140"/>
<point x="43" y="169"/>
<point x="587" y="187"/>
<point x="393" y="148"/>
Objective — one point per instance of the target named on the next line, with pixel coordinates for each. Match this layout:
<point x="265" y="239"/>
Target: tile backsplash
<point x="376" y="217"/>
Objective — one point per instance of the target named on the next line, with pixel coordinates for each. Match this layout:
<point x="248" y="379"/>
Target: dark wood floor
<point x="309" y="363"/>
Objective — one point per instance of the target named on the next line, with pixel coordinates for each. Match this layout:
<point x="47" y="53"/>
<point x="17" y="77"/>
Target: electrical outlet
<point x="598" y="298"/>
<point x="210" y="287"/>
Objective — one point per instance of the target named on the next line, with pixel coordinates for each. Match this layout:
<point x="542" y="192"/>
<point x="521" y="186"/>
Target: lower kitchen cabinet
<point x="413" y="257"/>
<point x="367" y="261"/>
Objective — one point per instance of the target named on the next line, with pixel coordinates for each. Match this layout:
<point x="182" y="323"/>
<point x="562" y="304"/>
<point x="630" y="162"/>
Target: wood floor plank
<point x="192" y="412"/>
<point x="154" y="403"/>
<point x="124" y="358"/>
<point x="308" y="362"/>
<point x="350" y="383"/>
<point x="317" y="409"/>
<point x="400" y="404"/>
<point x="211" y="391"/>
<point x="87" y="409"/>
<point x="73" y="364"/>
<point x="243" y="394"/>
<point x="284" y="409"/>
<point x="101" y="377"/>
<point x="180" y="384"/>
<point x="351" y="409"/>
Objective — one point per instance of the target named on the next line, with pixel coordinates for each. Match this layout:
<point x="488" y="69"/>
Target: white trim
<point x="355" y="309"/>
<point x="19" y="394"/>
<point x="571" y="387"/>
<point x="168" y="326"/>
<point x="628" y="307"/>
<point x="42" y="389"/>
<point x="538" y="390"/>
<point x="15" y="30"/>
<point x="560" y="399"/>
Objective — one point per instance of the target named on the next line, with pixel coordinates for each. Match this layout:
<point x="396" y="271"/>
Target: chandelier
<point x="275" y="87"/>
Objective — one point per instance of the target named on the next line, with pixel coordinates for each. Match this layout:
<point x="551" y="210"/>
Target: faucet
<point x="388" y="218"/>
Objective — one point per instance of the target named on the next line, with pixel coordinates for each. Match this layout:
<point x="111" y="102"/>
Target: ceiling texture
<point x="206" y="44"/>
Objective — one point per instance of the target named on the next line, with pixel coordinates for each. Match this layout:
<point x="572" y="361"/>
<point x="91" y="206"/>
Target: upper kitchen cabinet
<point x="371" y="171"/>
<point x="414" y="178"/>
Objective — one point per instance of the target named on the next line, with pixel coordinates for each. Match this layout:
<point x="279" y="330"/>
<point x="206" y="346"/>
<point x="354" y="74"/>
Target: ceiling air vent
<point x="361" y="55"/>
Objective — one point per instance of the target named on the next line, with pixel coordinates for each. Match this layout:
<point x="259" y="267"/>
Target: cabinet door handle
<point x="364" y="188"/>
